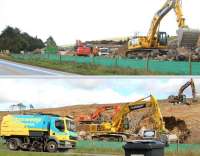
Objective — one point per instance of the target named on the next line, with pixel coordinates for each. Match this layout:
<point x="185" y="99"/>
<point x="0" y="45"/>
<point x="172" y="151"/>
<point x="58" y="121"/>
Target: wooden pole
<point x="93" y="59"/>
<point x="190" y="64"/>
<point x="60" y="58"/>
<point x="177" y="147"/>
<point x="147" y="63"/>
<point x="116" y="58"/>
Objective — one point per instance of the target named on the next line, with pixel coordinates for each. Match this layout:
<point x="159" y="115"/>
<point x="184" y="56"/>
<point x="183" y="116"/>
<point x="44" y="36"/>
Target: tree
<point x="31" y="106"/>
<point x="51" y="45"/>
<point x="14" y="40"/>
<point x="50" y="42"/>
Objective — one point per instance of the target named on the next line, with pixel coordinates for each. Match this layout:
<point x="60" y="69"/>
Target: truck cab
<point x="63" y="131"/>
<point x="104" y="51"/>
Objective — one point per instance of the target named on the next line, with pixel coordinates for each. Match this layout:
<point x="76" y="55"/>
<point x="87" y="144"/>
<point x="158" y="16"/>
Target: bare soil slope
<point x="186" y="117"/>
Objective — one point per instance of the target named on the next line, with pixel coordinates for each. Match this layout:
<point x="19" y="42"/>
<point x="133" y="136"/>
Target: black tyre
<point x="12" y="144"/>
<point x="52" y="146"/>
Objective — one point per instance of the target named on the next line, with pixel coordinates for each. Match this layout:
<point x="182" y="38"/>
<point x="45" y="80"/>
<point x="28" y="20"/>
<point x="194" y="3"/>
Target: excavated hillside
<point x="184" y="120"/>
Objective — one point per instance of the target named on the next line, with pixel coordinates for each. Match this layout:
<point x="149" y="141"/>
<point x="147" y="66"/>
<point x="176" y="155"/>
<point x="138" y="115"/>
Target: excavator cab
<point x="133" y="41"/>
<point x="162" y="38"/>
<point x="183" y="99"/>
<point x="126" y="124"/>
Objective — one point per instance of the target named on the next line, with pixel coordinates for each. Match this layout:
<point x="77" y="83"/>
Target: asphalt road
<point x="8" y="68"/>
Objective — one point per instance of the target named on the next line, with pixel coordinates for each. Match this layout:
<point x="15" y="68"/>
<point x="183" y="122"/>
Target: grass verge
<point x="82" y="69"/>
<point x="20" y="153"/>
<point x="85" y="151"/>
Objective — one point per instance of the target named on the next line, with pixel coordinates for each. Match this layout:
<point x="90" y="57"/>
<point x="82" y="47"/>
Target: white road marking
<point x="29" y="67"/>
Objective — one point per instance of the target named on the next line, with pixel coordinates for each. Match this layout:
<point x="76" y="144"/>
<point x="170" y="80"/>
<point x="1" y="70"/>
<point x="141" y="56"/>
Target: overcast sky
<point x="68" y="20"/>
<point x="44" y="93"/>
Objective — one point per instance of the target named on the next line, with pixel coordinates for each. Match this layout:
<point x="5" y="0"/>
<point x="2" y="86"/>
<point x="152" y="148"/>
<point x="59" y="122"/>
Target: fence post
<point x="60" y="58"/>
<point x="190" y="64"/>
<point x="116" y="61"/>
<point x="177" y="146"/>
<point x="92" y="59"/>
<point x="147" y="63"/>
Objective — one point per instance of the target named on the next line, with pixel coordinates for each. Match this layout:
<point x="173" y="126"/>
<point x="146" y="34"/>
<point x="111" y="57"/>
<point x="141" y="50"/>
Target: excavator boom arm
<point x="166" y="8"/>
<point x="157" y="115"/>
<point x="117" y="122"/>
<point x="100" y="110"/>
<point x="179" y="14"/>
<point x="185" y="86"/>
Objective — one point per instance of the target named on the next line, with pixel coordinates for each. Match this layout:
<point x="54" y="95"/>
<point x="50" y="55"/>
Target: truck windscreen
<point x="70" y="125"/>
<point x="59" y="124"/>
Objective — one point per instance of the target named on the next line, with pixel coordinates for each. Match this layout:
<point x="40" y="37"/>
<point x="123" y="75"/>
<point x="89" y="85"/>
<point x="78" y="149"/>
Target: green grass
<point x="82" y="69"/>
<point x="20" y="153"/>
<point x="189" y="153"/>
<point x="100" y="150"/>
<point x="81" y="151"/>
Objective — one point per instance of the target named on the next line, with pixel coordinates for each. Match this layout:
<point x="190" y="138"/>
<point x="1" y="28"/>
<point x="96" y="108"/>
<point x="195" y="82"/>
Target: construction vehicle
<point x="156" y="42"/>
<point x="104" y="51"/>
<point x="97" y="117"/>
<point x="85" y="49"/>
<point x="38" y="132"/>
<point x="181" y="98"/>
<point x="118" y="128"/>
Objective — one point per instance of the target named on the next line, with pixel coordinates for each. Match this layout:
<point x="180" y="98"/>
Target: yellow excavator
<point x="118" y="128"/>
<point x="181" y="98"/>
<point x="157" y="41"/>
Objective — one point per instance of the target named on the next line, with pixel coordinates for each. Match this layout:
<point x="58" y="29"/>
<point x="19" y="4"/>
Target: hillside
<point x="187" y="117"/>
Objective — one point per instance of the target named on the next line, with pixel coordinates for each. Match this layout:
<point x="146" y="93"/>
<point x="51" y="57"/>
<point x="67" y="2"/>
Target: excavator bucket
<point x="187" y="37"/>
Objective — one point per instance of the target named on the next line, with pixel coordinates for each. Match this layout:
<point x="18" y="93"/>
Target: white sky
<point x="68" y="20"/>
<point x="44" y="93"/>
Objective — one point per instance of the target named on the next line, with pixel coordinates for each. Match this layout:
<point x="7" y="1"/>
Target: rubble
<point x="178" y="127"/>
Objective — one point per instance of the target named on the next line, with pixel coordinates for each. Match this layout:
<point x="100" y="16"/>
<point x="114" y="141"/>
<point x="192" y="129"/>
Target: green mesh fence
<point x="118" y="146"/>
<point x="99" y="145"/>
<point x="166" y="67"/>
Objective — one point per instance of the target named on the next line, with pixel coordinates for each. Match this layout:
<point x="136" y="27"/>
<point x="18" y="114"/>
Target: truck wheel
<point x="52" y="146"/>
<point x="12" y="144"/>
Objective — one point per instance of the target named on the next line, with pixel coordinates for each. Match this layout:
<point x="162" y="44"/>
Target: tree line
<point x="14" y="40"/>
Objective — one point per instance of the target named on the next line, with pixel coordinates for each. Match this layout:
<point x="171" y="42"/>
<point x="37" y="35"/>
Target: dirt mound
<point x="186" y="117"/>
<point x="179" y="127"/>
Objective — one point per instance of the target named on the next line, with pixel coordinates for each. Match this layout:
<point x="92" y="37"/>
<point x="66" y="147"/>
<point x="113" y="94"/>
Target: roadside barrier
<point x="166" y="67"/>
<point x="118" y="145"/>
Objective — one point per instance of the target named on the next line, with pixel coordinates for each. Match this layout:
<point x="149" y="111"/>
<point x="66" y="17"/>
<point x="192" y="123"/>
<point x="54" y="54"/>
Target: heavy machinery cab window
<point x="59" y="124"/>
<point x="162" y="38"/>
<point x="104" y="50"/>
<point x="134" y="40"/>
<point x="70" y="125"/>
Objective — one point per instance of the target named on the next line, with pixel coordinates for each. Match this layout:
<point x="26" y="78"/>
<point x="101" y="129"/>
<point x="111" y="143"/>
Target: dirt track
<point x="182" y="113"/>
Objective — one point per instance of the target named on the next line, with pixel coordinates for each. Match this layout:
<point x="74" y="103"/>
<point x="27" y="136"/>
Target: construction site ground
<point x="185" y="117"/>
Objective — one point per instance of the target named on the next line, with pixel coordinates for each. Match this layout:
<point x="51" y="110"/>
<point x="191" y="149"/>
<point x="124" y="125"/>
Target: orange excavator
<point x="83" y="49"/>
<point x="97" y="117"/>
<point x="181" y="98"/>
